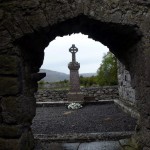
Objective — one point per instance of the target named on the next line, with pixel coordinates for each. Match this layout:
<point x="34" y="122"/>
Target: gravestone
<point x="74" y="95"/>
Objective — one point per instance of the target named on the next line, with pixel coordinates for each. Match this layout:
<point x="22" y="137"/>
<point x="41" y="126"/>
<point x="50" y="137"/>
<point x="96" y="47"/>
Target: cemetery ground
<point x="98" y="126"/>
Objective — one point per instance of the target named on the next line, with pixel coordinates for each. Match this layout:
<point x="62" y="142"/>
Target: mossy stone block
<point x="9" y="86"/>
<point x="9" y="65"/>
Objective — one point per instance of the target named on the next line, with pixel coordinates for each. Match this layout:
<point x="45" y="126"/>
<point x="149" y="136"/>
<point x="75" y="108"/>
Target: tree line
<point x="106" y="73"/>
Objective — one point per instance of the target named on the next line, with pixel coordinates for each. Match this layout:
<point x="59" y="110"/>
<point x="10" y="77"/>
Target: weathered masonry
<point x="27" y="27"/>
<point x="127" y="97"/>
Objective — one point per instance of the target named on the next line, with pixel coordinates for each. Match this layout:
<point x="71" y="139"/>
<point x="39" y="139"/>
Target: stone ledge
<point x="83" y="137"/>
<point x="60" y="103"/>
<point x="128" y="108"/>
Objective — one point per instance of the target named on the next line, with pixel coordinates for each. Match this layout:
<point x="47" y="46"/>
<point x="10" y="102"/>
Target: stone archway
<point x="26" y="29"/>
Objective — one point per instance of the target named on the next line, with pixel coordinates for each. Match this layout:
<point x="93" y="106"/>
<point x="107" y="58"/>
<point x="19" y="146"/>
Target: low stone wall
<point x="51" y="95"/>
<point x="93" y="93"/>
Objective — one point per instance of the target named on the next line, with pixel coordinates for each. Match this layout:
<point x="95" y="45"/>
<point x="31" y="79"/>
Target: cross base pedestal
<point x="75" y="97"/>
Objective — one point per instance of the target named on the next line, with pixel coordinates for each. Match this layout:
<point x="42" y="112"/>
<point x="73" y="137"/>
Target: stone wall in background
<point x="92" y="93"/>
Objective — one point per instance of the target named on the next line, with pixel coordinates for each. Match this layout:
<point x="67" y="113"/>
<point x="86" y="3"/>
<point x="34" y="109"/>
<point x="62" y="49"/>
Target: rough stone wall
<point x="101" y="93"/>
<point x="127" y="98"/>
<point x="27" y="27"/>
<point x="126" y="92"/>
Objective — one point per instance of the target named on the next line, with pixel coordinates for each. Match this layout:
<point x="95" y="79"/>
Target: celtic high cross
<point x="74" y="92"/>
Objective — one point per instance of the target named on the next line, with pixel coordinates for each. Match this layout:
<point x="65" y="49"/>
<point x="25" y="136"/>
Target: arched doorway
<point x="25" y="34"/>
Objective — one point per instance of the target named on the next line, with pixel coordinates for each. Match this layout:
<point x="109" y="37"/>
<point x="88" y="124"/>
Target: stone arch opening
<point x="119" y="30"/>
<point x="26" y="29"/>
<point x="119" y="38"/>
<point x="52" y="123"/>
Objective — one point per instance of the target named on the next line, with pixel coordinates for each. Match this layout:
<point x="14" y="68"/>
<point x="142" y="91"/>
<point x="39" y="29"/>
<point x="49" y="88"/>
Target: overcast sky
<point x="89" y="55"/>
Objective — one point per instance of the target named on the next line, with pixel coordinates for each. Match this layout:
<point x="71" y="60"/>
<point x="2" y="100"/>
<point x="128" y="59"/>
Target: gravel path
<point x="89" y="119"/>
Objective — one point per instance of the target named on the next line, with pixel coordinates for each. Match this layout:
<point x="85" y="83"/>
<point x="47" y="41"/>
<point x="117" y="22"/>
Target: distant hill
<point x="54" y="76"/>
